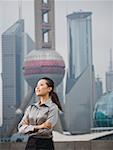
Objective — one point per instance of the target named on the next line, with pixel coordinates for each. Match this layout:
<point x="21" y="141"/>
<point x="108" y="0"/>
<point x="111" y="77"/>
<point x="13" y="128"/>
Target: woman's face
<point x="42" y="88"/>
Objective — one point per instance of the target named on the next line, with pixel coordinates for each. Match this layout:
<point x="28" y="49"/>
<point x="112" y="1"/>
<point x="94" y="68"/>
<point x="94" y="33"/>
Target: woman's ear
<point x="50" y="89"/>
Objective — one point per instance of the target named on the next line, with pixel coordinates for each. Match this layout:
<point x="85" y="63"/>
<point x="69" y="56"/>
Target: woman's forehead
<point x="42" y="81"/>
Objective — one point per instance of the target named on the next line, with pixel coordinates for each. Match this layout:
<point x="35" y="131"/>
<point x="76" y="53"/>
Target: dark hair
<point x="54" y="96"/>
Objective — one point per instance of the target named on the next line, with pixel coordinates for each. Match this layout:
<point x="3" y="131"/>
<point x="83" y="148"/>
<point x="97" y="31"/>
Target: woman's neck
<point x="43" y="99"/>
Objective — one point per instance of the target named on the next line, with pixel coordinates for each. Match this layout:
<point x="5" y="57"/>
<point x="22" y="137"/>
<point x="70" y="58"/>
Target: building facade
<point x="80" y="76"/>
<point x="12" y="86"/>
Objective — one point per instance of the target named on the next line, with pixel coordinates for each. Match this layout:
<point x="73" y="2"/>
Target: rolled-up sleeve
<point x="24" y="126"/>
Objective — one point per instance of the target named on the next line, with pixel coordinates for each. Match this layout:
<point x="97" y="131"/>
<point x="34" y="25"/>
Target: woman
<point x="40" y="118"/>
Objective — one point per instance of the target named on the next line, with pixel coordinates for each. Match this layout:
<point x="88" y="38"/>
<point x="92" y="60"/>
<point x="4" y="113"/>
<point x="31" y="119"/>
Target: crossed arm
<point x="46" y="125"/>
<point x="44" y="128"/>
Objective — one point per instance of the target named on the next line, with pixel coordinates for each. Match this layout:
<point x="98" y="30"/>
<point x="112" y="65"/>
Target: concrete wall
<point x="78" y="145"/>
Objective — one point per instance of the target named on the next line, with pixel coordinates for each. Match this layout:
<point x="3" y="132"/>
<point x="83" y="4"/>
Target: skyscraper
<point x="79" y="32"/>
<point x="98" y="88"/>
<point x="109" y="75"/>
<point x="12" y="51"/>
<point x="79" y="84"/>
<point x="16" y="44"/>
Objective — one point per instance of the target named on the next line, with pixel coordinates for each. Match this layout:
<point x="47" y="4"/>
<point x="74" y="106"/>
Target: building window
<point x="45" y="37"/>
<point x="45" y="1"/>
<point x="45" y="17"/>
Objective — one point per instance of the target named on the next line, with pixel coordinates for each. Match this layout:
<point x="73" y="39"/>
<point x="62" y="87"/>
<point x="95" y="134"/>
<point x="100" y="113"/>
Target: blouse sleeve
<point x="53" y="115"/>
<point x="24" y="126"/>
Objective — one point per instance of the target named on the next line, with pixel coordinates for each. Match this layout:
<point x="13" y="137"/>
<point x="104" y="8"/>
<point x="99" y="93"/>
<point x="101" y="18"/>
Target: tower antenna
<point x="20" y="9"/>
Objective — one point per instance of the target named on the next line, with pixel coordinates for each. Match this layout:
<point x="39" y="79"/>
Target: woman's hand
<point x="46" y="125"/>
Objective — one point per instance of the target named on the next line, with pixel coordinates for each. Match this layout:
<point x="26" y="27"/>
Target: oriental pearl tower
<point x="44" y="60"/>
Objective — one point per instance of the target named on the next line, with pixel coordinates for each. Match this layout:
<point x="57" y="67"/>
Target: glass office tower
<point x="79" y="32"/>
<point x="80" y="77"/>
<point x="12" y="77"/>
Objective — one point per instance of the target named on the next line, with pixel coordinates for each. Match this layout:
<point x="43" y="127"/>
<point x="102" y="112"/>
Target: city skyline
<point x="101" y="21"/>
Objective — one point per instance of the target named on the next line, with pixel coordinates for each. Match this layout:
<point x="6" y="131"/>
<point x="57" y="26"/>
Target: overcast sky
<point x="102" y="26"/>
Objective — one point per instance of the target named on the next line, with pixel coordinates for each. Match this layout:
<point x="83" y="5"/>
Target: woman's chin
<point x="37" y="94"/>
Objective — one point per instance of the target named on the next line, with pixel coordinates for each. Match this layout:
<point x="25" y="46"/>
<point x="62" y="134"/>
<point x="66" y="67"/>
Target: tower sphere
<point x="41" y="63"/>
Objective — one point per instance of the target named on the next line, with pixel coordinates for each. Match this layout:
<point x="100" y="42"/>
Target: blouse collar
<point x="46" y="103"/>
